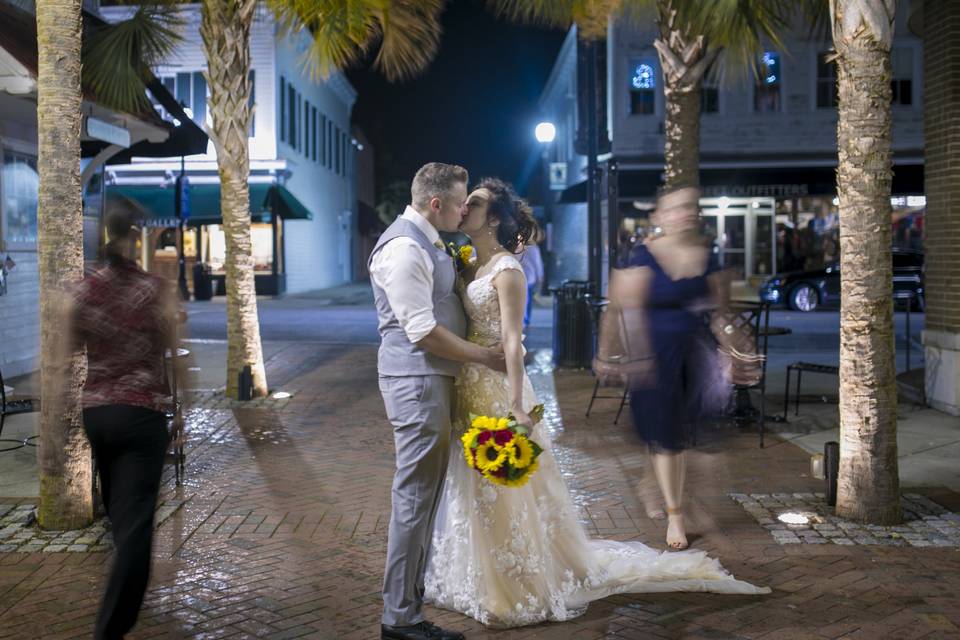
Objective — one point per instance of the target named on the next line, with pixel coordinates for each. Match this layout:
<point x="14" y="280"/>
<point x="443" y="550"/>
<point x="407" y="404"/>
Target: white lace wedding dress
<point x="510" y="557"/>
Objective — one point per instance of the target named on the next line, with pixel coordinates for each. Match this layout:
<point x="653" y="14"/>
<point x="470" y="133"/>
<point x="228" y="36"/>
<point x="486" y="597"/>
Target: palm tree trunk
<point x="681" y="146"/>
<point x="63" y="455"/>
<point x="684" y="59"/>
<point x="868" y="487"/>
<point x="225" y="28"/>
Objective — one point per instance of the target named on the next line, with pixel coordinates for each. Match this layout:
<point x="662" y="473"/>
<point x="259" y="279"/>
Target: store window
<point x="261" y="235"/>
<point x="20" y="185"/>
<point x="766" y="95"/>
<point x="643" y="86"/>
<point x="710" y="92"/>
<point x="901" y="60"/>
<point x="826" y="82"/>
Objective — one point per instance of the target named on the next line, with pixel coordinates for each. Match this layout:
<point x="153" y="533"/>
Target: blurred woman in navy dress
<point x="656" y="336"/>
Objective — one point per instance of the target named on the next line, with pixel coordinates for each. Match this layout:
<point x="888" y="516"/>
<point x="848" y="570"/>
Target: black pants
<point x="129" y="444"/>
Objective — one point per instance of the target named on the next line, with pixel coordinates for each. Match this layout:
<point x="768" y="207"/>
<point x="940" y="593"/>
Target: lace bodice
<point x="482" y="304"/>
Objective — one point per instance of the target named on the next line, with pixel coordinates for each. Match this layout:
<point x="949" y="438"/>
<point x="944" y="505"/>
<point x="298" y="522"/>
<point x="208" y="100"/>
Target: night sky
<point x="476" y="105"/>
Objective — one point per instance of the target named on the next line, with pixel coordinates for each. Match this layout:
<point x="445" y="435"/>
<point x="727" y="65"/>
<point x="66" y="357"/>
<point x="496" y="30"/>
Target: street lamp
<point x="545" y="132"/>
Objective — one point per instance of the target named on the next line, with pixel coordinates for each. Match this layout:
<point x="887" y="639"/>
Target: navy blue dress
<point x="665" y="410"/>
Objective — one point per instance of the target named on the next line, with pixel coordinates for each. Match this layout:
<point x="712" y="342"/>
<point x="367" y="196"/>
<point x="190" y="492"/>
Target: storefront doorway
<point x="744" y="234"/>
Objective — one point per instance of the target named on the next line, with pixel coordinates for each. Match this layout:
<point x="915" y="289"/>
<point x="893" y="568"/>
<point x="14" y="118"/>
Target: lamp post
<point x="182" y="212"/>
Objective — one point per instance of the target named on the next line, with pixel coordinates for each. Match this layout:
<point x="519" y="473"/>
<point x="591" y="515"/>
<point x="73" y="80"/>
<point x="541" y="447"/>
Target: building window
<point x="323" y="140"/>
<point x="826" y="82"/>
<point x="251" y="103"/>
<point x="283" y="109"/>
<point x="19" y="205"/>
<point x="336" y="141"/>
<point x="346" y="152"/>
<point x="314" y="134"/>
<point x="643" y="85"/>
<point x="291" y="116"/>
<point x="190" y="90"/>
<point x="901" y="60"/>
<point x="766" y="95"/>
<point x="710" y="91"/>
<point x="306" y="129"/>
<point x="329" y="144"/>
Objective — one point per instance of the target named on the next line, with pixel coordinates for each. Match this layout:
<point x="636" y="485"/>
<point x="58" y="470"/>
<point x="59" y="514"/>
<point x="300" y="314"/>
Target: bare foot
<point x="654" y="512"/>
<point x="676" y="532"/>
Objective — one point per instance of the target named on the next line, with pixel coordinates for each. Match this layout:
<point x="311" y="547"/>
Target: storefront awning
<point x="156" y="204"/>
<point x="753" y="182"/>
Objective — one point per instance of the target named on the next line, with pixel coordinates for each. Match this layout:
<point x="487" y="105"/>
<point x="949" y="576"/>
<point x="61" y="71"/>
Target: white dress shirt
<point x="404" y="270"/>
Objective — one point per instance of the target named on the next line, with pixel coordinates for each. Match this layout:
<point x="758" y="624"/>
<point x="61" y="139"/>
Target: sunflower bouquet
<point x="501" y="450"/>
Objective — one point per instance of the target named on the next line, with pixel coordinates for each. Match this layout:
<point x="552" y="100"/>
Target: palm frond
<point x="405" y="33"/>
<point x="117" y="58"/>
<point x="590" y="16"/>
<point x="410" y="36"/>
<point x="741" y="28"/>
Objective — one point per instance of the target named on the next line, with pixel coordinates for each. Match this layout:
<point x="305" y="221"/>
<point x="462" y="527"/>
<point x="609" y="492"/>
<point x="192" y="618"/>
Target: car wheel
<point x="804" y="297"/>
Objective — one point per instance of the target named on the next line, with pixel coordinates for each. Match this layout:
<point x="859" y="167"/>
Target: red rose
<point x="502" y="437"/>
<point x="483" y="437"/>
<point x="500" y="473"/>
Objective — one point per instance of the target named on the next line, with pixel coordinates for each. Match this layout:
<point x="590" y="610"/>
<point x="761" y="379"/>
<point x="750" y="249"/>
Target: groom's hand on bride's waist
<point x="493" y="358"/>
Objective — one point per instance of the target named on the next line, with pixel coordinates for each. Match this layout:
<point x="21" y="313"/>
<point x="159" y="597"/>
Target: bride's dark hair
<point x="517" y="226"/>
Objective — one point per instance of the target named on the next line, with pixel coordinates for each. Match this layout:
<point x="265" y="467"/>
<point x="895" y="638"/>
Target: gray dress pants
<point x="419" y="408"/>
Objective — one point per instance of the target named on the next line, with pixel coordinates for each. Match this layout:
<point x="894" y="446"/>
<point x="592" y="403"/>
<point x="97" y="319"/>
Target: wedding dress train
<point x="514" y="556"/>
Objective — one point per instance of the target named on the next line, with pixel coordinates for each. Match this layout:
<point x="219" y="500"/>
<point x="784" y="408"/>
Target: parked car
<point x="810" y="290"/>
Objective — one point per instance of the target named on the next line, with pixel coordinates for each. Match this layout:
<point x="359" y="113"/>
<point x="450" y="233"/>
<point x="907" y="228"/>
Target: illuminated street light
<point x="545" y="132"/>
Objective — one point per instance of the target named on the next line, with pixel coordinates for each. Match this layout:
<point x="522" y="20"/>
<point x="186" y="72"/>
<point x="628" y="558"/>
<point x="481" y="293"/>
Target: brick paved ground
<point x="281" y="532"/>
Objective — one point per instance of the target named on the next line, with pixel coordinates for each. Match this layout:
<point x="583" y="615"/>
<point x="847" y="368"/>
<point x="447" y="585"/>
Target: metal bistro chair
<point x="750" y="321"/>
<point x="176" y="411"/>
<point x="598" y="307"/>
<point x="11" y="408"/>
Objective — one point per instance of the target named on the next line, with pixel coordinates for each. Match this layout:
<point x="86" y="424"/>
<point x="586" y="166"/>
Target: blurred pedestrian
<point x="127" y="319"/>
<point x="532" y="263"/>
<point x="656" y="336"/>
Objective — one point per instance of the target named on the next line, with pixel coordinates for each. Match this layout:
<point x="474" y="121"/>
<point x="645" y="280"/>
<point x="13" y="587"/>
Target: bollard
<point x="245" y="391"/>
<point x="831" y="460"/>
<point x="816" y="466"/>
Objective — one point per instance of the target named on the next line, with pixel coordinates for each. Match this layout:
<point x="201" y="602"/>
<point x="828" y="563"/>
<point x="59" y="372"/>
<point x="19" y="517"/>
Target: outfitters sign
<point x="757" y="190"/>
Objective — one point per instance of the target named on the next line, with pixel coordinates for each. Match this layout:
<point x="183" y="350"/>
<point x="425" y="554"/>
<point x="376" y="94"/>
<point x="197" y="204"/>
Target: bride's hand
<point x="523" y="418"/>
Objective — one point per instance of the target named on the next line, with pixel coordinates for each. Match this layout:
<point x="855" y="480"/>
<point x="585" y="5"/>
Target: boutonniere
<point x="463" y="256"/>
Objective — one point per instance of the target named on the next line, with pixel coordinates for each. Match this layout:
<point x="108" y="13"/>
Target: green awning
<point x="156" y="204"/>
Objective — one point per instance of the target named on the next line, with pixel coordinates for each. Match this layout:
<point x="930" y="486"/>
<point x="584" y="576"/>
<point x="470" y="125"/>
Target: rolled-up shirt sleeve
<point x="405" y="274"/>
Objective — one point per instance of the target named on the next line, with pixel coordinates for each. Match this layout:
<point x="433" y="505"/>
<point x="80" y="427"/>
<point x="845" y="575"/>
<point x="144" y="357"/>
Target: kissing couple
<point x="452" y="348"/>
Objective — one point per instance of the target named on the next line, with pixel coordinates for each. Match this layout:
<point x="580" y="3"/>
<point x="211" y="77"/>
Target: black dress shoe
<point x="420" y="631"/>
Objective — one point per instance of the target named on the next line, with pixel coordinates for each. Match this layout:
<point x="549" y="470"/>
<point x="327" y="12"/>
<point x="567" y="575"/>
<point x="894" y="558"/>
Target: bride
<point x="514" y="556"/>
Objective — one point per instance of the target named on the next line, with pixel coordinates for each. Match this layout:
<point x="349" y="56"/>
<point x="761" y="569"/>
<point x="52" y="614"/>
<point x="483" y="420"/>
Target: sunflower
<point x="483" y="423"/>
<point x="490" y="457"/>
<point x="522" y="454"/>
<point x="466" y="254"/>
<point x="522" y="480"/>
<point x="502" y="423"/>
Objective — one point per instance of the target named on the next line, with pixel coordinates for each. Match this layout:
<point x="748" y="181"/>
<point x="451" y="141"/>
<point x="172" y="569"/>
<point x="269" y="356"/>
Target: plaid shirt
<point x="119" y="313"/>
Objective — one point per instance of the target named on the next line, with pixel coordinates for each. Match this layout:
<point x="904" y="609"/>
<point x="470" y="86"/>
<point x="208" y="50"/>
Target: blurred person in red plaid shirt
<point x="126" y="319"/>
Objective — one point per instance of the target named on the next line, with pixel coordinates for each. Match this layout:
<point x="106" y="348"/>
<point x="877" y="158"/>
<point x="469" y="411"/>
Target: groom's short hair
<point x="435" y="179"/>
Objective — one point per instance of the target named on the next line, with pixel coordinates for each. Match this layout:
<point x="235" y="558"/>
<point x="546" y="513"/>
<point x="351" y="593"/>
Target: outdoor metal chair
<point x="598" y="307"/>
<point x="10" y="407"/>
<point x="750" y="322"/>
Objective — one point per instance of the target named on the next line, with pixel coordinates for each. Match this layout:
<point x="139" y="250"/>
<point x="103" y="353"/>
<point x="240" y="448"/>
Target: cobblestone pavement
<point x="279" y="531"/>
<point x="806" y="518"/>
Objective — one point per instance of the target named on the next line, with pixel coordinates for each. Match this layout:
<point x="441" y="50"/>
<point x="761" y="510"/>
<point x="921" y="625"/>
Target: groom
<point x="421" y="331"/>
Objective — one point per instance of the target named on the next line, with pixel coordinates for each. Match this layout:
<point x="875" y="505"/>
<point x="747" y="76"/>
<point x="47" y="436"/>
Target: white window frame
<point x="18" y="147"/>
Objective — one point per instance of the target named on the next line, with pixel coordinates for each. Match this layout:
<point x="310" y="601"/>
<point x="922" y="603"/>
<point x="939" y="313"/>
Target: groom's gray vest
<point x="398" y="356"/>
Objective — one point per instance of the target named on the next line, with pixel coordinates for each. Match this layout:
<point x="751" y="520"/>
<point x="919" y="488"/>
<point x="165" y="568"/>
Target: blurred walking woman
<point x="659" y="298"/>
<point x="127" y="319"/>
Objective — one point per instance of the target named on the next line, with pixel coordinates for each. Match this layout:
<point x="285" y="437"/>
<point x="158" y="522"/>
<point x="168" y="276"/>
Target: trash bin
<point x="572" y="325"/>
<point x="202" y="282"/>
